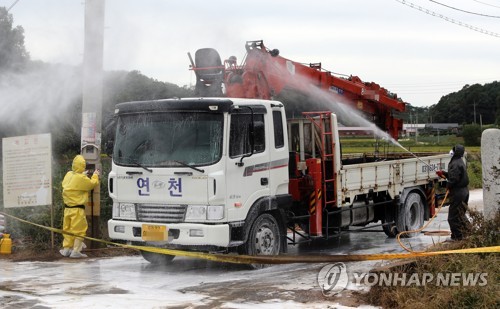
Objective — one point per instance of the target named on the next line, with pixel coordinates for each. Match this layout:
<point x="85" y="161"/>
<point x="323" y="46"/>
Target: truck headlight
<point x="196" y="212"/>
<point x="215" y="212"/>
<point x="124" y="211"/>
<point x="202" y="212"/>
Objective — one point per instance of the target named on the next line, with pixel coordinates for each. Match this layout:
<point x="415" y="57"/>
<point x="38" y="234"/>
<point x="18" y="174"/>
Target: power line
<point x="448" y="19"/>
<point x="495" y="6"/>
<point x="15" y="2"/>
<point x="468" y="12"/>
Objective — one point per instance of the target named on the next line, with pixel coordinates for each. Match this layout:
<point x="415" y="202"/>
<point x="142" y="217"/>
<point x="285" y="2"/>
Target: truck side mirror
<point x="251" y="139"/>
<point x="251" y="133"/>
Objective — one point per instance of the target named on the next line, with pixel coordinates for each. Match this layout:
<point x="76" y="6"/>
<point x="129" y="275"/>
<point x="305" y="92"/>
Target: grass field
<point x="423" y="144"/>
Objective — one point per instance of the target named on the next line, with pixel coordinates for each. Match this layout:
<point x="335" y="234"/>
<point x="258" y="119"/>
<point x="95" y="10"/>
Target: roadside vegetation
<point x="483" y="233"/>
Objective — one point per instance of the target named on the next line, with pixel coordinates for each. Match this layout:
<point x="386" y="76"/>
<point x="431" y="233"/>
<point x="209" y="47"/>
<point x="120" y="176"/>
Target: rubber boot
<point x="65" y="251"/>
<point x="76" y="250"/>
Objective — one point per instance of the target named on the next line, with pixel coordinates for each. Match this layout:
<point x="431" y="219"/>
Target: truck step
<point x="236" y="243"/>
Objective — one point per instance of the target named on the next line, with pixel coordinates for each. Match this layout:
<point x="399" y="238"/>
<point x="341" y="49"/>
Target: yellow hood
<point x="78" y="164"/>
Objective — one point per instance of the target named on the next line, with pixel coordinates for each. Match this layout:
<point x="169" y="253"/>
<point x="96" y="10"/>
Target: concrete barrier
<point x="490" y="157"/>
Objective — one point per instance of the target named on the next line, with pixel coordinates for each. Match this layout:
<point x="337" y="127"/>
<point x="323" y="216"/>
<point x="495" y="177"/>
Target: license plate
<point x="154" y="232"/>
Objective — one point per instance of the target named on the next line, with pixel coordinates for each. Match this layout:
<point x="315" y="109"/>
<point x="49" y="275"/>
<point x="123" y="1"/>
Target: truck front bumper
<point x="178" y="233"/>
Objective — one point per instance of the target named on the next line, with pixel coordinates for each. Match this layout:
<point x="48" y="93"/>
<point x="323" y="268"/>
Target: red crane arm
<point x="264" y="74"/>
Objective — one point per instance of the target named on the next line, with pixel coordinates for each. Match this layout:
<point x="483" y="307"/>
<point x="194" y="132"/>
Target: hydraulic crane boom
<point x="264" y="74"/>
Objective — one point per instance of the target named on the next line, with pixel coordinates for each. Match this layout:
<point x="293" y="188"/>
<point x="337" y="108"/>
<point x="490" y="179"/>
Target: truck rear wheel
<point x="157" y="258"/>
<point x="264" y="237"/>
<point x="411" y="215"/>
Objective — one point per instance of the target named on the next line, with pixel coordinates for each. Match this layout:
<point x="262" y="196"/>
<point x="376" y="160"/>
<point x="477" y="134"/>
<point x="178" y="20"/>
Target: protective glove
<point x="440" y="173"/>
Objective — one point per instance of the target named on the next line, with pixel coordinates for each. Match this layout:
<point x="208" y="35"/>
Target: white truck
<point x="232" y="175"/>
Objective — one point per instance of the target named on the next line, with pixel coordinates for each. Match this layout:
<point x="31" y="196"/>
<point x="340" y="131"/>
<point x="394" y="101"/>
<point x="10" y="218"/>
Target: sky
<point x="419" y="56"/>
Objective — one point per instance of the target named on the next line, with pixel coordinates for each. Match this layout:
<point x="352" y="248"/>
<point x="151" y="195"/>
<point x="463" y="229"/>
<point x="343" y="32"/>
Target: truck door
<point x="278" y="152"/>
<point x="247" y="173"/>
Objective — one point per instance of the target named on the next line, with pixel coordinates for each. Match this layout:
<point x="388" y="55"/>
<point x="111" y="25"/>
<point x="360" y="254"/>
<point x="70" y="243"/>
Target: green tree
<point x="471" y="104"/>
<point x="13" y="54"/>
<point x="497" y="104"/>
<point x="472" y="135"/>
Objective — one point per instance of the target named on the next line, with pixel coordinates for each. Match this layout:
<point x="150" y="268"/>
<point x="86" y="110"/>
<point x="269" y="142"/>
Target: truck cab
<point x="200" y="174"/>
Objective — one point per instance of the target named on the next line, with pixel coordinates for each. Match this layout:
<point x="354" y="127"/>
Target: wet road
<point x="130" y="281"/>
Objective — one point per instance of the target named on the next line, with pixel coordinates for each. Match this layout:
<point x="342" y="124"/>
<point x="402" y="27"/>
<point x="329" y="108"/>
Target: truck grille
<point x="161" y="213"/>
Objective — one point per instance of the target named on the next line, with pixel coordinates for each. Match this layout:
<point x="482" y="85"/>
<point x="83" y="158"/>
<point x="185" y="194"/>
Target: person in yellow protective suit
<point x="76" y="187"/>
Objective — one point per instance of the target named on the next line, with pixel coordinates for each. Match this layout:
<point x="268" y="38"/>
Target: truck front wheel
<point x="264" y="237"/>
<point x="411" y="215"/>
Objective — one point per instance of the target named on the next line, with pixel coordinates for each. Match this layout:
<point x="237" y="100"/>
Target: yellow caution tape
<point x="275" y="259"/>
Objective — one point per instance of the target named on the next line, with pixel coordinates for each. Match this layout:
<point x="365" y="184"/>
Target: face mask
<point x="451" y="153"/>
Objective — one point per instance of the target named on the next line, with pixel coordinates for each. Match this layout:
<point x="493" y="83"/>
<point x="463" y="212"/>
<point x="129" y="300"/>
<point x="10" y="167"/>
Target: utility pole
<point x="416" y="128"/>
<point x="411" y="124"/>
<point x="10" y="7"/>
<point x="474" y="111"/>
<point x="92" y="103"/>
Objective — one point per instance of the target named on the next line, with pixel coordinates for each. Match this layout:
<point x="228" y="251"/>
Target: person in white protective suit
<point x="76" y="187"/>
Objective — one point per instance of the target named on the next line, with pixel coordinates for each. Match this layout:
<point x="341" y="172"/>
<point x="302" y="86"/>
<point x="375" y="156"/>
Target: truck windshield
<point x="168" y="139"/>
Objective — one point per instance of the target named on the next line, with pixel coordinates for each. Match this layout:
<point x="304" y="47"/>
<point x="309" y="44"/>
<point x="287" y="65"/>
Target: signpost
<point x="490" y="155"/>
<point x="27" y="172"/>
